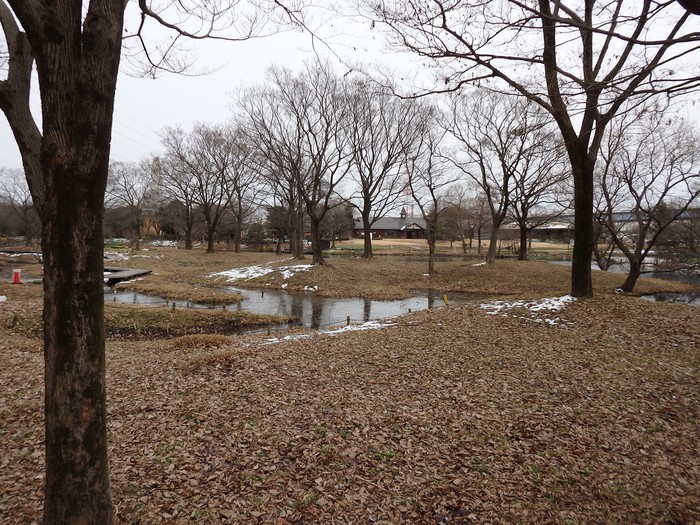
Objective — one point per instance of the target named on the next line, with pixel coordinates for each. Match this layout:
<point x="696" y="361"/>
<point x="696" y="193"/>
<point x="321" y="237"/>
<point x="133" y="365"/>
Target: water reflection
<point x="311" y="310"/>
<point x="316" y="312"/>
<point x="682" y="298"/>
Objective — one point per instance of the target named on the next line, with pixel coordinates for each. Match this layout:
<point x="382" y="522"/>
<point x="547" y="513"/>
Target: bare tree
<point x="383" y="131"/>
<point x="243" y="193"/>
<point x="277" y="222"/>
<point x="279" y="158"/>
<point x="77" y="48"/>
<point x="337" y="221"/>
<point x="501" y="141"/>
<point x="456" y="219"/>
<point x="207" y="155"/>
<point x="466" y="214"/>
<point x="479" y="218"/>
<point x="650" y="178"/>
<point x="15" y="193"/>
<point x="429" y="177"/>
<point x="305" y="138"/>
<point x="582" y="61"/>
<point x="129" y="186"/>
<point x="540" y="193"/>
<point x="176" y="183"/>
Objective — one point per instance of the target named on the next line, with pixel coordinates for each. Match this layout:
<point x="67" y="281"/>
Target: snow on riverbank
<point x="538" y="309"/>
<point x="370" y="325"/>
<point x="251" y="272"/>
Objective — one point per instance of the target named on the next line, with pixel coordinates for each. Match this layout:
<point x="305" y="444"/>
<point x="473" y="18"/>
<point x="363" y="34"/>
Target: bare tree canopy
<point x="383" y="132"/>
<point x="129" y="186"/>
<point x="429" y="176"/>
<point x="501" y="142"/>
<point x="581" y="61"/>
<point x="649" y="176"/>
<point x="300" y="123"/>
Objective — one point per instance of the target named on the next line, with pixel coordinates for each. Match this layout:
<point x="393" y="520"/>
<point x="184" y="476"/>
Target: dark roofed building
<point x="402" y="227"/>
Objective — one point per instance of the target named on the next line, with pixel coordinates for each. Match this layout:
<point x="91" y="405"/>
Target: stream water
<point x="312" y="311"/>
<point x="317" y="312"/>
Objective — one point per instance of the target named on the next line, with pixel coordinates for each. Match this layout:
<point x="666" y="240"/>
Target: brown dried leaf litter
<point x="450" y="416"/>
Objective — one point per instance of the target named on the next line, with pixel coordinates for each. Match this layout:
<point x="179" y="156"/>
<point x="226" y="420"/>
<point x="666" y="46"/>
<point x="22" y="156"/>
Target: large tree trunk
<point x="633" y="274"/>
<point x="297" y="234"/>
<point x="278" y="248"/>
<point x="367" y="236"/>
<point x="238" y="235"/>
<point x="367" y="254"/>
<point x="77" y="476"/>
<point x="316" y="241"/>
<point x="581" y="277"/>
<point x="211" y="229"/>
<point x="431" y="255"/>
<point x="522" y="254"/>
<point x="493" y="245"/>
<point x="77" y="53"/>
<point x="137" y="233"/>
<point x="188" y="235"/>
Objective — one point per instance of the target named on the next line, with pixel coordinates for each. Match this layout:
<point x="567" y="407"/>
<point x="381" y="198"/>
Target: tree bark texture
<point x="211" y="232"/>
<point x="316" y="241"/>
<point x="633" y="275"/>
<point x="14" y="103"/>
<point x="522" y="253"/>
<point x="367" y="244"/>
<point x="77" y="53"/>
<point x="367" y="236"/>
<point x="493" y="244"/>
<point x="581" y="277"/>
<point x="431" y="256"/>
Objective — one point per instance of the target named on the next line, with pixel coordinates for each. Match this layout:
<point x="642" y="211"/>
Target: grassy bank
<point x="178" y="274"/>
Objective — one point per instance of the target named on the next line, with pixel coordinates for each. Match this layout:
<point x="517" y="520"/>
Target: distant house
<point x="401" y="227"/>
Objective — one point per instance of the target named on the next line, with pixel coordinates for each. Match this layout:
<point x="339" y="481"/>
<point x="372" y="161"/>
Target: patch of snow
<point x="310" y="288"/>
<point x="370" y="325"/>
<point x="247" y="272"/>
<point x="111" y="256"/>
<point x="251" y="272"/>
<point x="479" y="264"/>
<point x="275" y="340"/>
<point x="3" y="298"/>
<point x="288" y="271"/>
<point x="544" y="305"/>
<point x="168" y="244"/>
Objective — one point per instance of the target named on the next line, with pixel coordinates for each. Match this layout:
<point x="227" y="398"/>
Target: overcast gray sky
<point x="144" y="106"/>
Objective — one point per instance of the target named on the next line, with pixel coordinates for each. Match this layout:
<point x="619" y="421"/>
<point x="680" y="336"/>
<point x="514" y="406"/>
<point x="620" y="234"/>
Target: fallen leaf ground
<point x="453" y="415"/>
